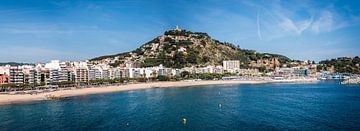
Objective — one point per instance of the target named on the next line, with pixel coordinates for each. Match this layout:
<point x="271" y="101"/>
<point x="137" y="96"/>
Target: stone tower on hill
<point x="177" y="28"/>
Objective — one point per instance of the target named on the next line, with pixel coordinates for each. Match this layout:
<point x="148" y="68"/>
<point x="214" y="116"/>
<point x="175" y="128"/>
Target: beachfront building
<point x="99" y="72"/>
<point x="218" y="70"/>
<point x="26" y="70"/>
<point x="125" y="72"/>
<point x="290" y="72"/>
<point x="149" y="72"/>
<point x="16" y="75"/>
<point x="176" y="72"/>
<point x="81" y="75"/>
<point x="301" y="72"/>
<point x="248" y="72"/>
<point x="41" y="75"/>
<point x="53" y="76"/>
<point x="94" y="72"/>
<point x="54" y="71"/>
<point x="81" y="72"/>
<point x="231" y="66"/>
<point x="66" y="72"/>
<point x="207" y="69"/>
<point x="32" y="76"/>
<point x="105" y="74"/>
<point x="162" y="71"/>
<point x="115" y="73"/>
<point x="5" y="69"/>
<point x="4" y="79"/>
<point x="66" y="75"/>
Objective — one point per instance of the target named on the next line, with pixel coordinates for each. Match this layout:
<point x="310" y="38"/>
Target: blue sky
<point x="38" y="30"/>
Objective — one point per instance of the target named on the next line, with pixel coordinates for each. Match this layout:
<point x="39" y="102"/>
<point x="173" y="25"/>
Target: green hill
<point x="341" y="65"/>
<point x="14" y="63"/>
<point x="181" y="48"/>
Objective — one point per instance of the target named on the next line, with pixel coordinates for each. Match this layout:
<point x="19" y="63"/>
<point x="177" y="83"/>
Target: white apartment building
<point x="151" y="72"/>
<point x="81" y="71"/>
<point x="231" y="66"/>
<point x="115" y="73"/>
<point x="54" y="70"/>
<point x="5" y="69"/>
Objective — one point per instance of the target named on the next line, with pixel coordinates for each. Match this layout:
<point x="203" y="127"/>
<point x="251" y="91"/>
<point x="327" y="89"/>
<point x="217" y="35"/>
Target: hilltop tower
<point x="177" y="28"/>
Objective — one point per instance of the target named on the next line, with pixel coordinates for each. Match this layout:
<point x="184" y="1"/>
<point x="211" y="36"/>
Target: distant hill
<point x="180" y="48"/>
<point x="341" y="65"/>
<point x="13" y="63"/>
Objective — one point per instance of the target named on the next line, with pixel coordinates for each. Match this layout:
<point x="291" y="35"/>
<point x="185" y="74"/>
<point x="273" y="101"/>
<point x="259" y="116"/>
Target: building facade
<point x="4" y="79"/>
<point x="231" y="66"/>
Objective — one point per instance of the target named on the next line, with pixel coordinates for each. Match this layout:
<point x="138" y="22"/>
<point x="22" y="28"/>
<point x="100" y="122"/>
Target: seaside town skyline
<point x="40" y="31"/>
<point x="179" y="65"/>
<point x="138" y="66"/>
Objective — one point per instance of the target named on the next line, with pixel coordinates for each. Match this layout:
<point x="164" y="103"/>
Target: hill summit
<point x="178" y="48"/>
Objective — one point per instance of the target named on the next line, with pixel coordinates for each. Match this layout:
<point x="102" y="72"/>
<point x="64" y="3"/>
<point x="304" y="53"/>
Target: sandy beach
<point x="11" y="99"/>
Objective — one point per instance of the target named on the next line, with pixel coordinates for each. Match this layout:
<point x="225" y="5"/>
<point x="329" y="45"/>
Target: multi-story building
<point x="100" y="72"/>
<point x="176" y="72"/>
<point x="16" y="75"/>
<point x="66" y="75"/>
<point x="301" y="72"/>
<point x="43" y="76"/>
<point x="294" y="71"/>
<point x="248" y="72"/>
<point x="92" y="73"/>
<point x="4" y="79"/>
<point x="115" y="73"/>
<point x="105" y="74"/>
<point x="81" y="75"/>
<point x="81" y="72"/>
<point x="54" y="75"/>
<point x="231" y="66"/>
<point x="54" y="70"/>
<point x="66" y="72"/>
<point x="218" y="70"/>
<point x="5" y="69"/>
<point x="32" y="76"/>
<point x="125" y="73"/>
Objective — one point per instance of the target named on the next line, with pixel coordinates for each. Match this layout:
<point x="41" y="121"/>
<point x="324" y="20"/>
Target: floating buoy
<point x="184" y="121"/>
<point x="127" y="124"/>
<point x="219" y="92"/>
<point x="220" y="105"/>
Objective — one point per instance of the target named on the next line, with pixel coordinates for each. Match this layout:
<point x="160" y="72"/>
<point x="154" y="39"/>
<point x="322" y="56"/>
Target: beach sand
<point x="11" y="99"/>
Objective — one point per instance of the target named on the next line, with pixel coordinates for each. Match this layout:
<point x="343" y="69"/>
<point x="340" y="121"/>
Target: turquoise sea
<point x="314" y="106"/>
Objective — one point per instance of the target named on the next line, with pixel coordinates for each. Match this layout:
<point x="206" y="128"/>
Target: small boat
<point x="184" y="121"/>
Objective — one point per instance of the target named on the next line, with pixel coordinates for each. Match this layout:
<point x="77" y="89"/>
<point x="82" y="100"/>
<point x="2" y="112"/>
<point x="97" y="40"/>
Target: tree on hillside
<point x="185" y="74"/>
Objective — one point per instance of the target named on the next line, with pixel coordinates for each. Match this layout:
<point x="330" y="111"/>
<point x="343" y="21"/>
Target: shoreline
<point x="6" y="99"/>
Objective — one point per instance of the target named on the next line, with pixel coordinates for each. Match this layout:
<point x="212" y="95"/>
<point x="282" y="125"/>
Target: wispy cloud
<point x="297" y="27"/>
<point x="258" y="26"/>
<point x="324" y="23"/>
<point x="116" y="26"/>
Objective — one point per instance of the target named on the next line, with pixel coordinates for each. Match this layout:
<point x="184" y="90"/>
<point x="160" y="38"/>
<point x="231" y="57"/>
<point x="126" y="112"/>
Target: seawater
<point x="326" y="105"/>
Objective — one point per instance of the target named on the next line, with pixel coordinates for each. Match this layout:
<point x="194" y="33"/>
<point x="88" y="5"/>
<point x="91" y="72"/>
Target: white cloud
<point x="324" y="23"/>
<point x="258" y="26"/>
<point x="297" y="27"/>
